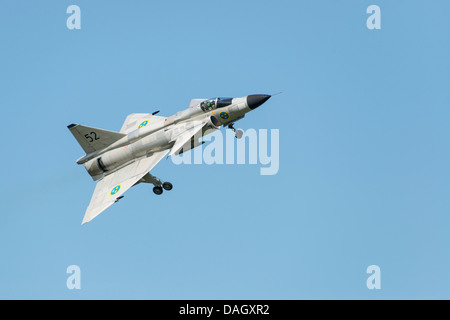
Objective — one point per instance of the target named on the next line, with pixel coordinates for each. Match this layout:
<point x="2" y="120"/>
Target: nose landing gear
<point x="237" y="133"/>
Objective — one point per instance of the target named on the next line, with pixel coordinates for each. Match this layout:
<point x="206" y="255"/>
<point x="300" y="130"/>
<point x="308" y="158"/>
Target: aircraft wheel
<point x="158" y="190"/>
<point x="239" y="134"/>
<point x="167" y="186"/>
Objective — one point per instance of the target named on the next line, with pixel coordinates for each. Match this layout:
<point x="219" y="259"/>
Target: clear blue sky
<point x="364" y="150"/>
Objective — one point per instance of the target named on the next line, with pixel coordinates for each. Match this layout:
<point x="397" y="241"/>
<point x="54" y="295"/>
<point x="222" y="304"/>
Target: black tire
<point x="167" y="186"/>
<point x="239" y="134"/>
<point x="158" y="190"/>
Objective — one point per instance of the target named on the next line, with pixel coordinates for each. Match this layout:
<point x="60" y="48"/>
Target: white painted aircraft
<point x="120" y="160"/>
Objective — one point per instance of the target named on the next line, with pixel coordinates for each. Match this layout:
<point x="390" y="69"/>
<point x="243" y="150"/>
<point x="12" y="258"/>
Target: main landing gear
<point x="159" y="186"/>
<point x="237" y="133"/>
<point x="158" y="189"/>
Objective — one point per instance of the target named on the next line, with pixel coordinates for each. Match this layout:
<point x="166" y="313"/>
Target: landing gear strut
<point x="237" y="133"/>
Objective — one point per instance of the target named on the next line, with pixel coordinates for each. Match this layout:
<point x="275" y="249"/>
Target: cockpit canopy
<point x="215" y="103"/>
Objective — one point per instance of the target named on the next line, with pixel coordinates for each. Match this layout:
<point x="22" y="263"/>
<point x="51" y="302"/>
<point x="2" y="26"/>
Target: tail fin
<point x="93" y="139"/>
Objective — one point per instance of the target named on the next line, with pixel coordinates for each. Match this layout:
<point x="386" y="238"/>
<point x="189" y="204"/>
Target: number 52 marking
<point x="91" y="137"/>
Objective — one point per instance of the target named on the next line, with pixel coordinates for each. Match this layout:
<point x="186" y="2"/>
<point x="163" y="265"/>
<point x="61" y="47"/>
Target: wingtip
<point x="71" y="125"/>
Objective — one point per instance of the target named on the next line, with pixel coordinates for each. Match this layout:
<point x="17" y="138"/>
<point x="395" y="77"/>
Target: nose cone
<point x="255" y="100"/>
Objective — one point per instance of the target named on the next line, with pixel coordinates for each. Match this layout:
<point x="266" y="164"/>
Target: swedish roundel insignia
<point x="143" y="124"/>
<point x="223" y="115"/>
<point x="115" y="189"/>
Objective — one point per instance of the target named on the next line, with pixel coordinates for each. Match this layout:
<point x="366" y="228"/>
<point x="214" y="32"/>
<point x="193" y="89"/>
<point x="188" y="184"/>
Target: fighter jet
<point x="120" y="160"/>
